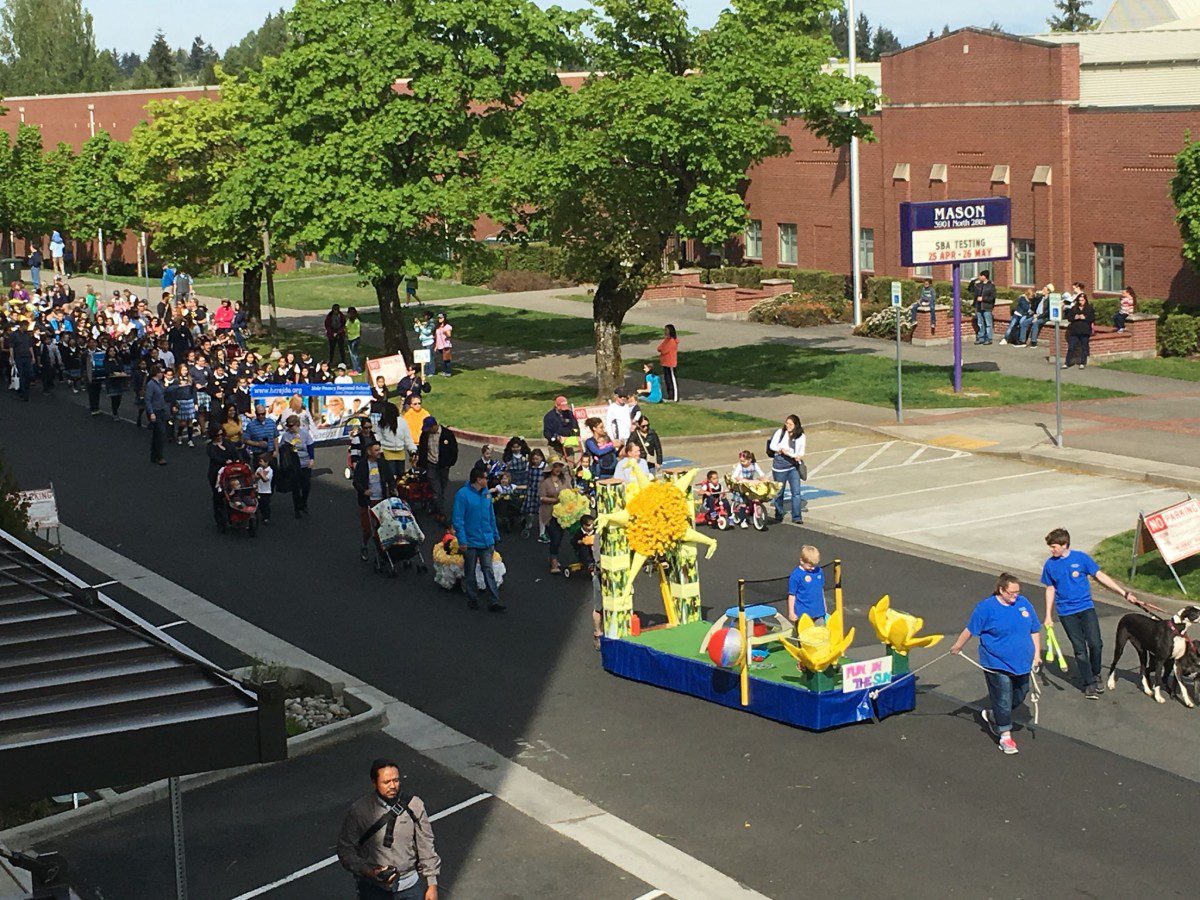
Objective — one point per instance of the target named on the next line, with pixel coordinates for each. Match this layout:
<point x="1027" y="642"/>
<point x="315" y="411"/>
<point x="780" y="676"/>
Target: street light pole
<point x="855" y="228"/>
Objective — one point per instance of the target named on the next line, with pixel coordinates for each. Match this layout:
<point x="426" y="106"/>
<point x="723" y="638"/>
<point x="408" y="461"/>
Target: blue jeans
<point x="1077" y="348"/>
<point x="35" y="275"/>
<point x="791" y="480"/>
<point x="1005" y="691"/>
<point x="352" y="346"/>
<point x="912" y="315"/>
<point x="983" y="321"/>
<point x="1035" y="329"/>
<point x="431" y="366"/>
<point x="1018" y="329"/>
<point x="368" y="890"/>
<point x="482" y="555"/>
<point x="1083" y="631"/>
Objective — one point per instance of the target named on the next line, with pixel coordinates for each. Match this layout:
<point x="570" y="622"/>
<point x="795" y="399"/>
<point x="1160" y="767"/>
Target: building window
<point x="1024" y="272"/>
<point x="754" y="239"/>
<point x="969" y="270"/>
<point x="922" y="271"/>
<point x="866" y="249"/>
<point x="787" y="245"/>
<point x="1110" y="267"/>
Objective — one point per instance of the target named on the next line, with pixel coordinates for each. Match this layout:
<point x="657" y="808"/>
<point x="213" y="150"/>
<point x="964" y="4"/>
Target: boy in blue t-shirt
<point x="1065" y="576"/>
<point x="1009" y="647"/>
<point x="806" y="587"/>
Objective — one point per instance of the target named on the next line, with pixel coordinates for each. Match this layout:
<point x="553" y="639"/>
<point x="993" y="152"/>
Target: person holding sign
<point x="1010" y="648"/>
<point x="1065" y="576"/>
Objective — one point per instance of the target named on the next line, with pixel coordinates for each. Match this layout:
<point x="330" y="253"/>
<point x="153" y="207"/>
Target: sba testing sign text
<point x="955" y="231"/>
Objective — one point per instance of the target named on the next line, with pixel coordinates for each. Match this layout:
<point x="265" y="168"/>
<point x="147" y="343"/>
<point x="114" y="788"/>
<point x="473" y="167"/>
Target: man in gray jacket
<point x="386" y="841"/>
<point x="157" y="414"/>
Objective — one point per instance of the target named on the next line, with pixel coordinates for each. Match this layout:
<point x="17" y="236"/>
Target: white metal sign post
<point x="1056" y="320"/>
<point x="897" y="297"/>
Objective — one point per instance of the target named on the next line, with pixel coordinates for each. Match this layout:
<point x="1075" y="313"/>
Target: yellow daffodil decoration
<point x="898" y="630"/>
<point x="570" y="508"/>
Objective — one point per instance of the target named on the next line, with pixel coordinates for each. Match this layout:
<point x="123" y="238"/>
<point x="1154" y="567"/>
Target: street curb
<point x="936" y="554"/>
<point x="112" y="804"/>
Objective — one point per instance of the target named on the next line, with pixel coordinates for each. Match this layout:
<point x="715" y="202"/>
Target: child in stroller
<point x="240" y="498"/>
<point x="508" y="502"/>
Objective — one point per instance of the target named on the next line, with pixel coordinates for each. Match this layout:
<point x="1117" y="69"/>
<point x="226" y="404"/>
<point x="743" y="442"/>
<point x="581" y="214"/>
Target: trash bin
<point x="10" y="271"/>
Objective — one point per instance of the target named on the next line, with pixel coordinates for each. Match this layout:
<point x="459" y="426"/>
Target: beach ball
<point x="725" y="648"/>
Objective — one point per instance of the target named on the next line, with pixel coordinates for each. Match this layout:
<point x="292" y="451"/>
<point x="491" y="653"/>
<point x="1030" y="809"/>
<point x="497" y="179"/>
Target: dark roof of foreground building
<point x="91" y="696"/>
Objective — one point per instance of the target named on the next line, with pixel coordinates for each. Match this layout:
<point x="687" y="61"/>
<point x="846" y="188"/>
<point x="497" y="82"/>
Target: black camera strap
<point x="388" y="819"/>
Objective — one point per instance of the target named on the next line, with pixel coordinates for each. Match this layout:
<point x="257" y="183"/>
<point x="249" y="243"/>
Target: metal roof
<point x="92" y="696"/>
<point x="1130" y="15"/>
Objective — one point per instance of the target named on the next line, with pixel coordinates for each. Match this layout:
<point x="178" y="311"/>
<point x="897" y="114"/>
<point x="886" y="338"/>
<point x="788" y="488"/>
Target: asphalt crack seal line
<point x="607" y="836"/>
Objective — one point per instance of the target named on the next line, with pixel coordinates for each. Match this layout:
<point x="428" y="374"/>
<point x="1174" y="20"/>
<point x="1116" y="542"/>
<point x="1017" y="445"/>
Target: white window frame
<point x="866" y="249"/>
<point x="1110" y="268"/>
<point x="753" y="238"/>
<point x="795" y="244"/>
<point x="969" y="270"/>
<point x="1024" y="252"/>
<point x="922" y="271"/>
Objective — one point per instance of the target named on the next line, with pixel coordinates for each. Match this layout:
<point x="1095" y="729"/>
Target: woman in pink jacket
<point x="441" y="342"/>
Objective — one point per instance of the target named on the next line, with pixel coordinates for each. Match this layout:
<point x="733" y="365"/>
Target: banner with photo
<point x="334" y="407"/>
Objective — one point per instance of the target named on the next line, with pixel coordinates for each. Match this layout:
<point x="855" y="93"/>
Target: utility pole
<point x="855" y="226"/>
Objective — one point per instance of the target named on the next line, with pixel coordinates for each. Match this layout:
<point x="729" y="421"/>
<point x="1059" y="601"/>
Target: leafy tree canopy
<point x="49" y="48"/>
<point x="1071" y="16"/>
<point x="94" y="195"/>
<point x="1185" y="191"/>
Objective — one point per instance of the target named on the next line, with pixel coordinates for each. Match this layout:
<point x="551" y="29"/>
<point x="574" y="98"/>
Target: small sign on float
<point x="859" y="676"/>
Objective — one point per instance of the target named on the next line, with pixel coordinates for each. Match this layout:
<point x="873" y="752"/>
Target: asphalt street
<point x="922" y="802"/>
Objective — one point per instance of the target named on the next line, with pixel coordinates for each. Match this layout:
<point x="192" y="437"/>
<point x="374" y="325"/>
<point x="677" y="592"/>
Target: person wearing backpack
<point x="386" y="841"/>
<point x="786" y="449"/>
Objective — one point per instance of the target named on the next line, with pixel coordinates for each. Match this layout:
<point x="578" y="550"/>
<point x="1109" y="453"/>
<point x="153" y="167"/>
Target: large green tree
<point x="657" y="147"/>
<point x="160" y="62"/>
<point x="49" y="48"/>
<point x="95" y="197"/>
<point x="1071" y="16"/>
<point x="187" y="170"/>
<point x="26" y="186"/>
<point x="383" y="172"/>
<point x="269" y="39"/>
<point x="1185" y="191"/>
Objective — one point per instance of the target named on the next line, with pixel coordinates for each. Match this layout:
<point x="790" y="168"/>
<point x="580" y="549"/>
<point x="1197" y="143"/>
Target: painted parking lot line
<point x="955" y="486"/>
<point x="330" y="860"/>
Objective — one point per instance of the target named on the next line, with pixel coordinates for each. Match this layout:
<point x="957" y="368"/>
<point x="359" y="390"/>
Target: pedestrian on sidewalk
<point x="984" y="292"/>
<point x="424" y="329"/>
<point x="442" y="343"/>
<point x="386" y="841"/>
<point x="1081" y="319"/>
<point x="35" y="267"/>
<point x="1010" y="648"/>
<point x="353" y="337"/>
<point x="786" y="448"/>
<point x="58" y="252"/>
<point x="668" y="358"/>
<point x="1065" y="576"/>
<point x="157" y="414"/>
<point x="475" y="526"/>
<point x="335" y="332"/>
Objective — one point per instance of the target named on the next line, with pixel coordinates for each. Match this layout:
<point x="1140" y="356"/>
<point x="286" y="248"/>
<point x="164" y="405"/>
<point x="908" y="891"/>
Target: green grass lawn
<point x="309" y="289"/>
<point x="526" y="329"/>
<point x="868" y="379"/>
<point x="490" y="403"/>
<point x="1113" y="556"/>
<point x="1163" y="367"/>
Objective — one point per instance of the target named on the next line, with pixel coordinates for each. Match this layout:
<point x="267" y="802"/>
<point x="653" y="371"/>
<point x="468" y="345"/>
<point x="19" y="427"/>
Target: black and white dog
<point x="1163" y="651"/>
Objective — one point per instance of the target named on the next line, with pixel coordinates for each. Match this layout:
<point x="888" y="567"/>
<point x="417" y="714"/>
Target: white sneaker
<point x="1003" y="341"/>
<point x="745" y="524"/>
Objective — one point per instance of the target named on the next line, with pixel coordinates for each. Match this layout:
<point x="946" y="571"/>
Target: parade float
<point x="752" y="658"/>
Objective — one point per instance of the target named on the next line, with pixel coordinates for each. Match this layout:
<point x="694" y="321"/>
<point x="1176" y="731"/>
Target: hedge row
<point x="480" y="262"/>
<point x="823" y="285"/>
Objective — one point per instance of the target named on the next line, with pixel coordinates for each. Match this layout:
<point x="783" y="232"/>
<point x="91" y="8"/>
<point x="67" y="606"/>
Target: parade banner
<point x="333" y="407"/>
<point x="955" y="231"/>
<point x="392" y="368"/>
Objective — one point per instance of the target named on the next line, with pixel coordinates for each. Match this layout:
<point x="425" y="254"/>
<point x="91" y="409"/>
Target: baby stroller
<point x="397" y="536"/>
<point x="510" y="509"/>
<point x="239" y="499"/>
<point x="414" y="489"/>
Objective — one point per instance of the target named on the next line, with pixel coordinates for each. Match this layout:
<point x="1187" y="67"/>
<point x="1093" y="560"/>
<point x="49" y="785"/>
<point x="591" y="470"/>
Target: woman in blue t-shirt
<point x="652" y="392"/>
<point x="1010" y="647"/>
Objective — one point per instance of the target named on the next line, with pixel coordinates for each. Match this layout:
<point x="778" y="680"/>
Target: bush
<point x="479" y="263"/>
<point x="800" y="310"/>
<point x="1177" y="335"/>
<point x="522" y="280"/>
<point x="821" y="285"/>
<point x="882" y="324"/>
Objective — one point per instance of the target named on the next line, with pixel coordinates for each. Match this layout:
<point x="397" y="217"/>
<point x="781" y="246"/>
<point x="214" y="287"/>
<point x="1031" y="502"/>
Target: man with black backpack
<point x="386" y="841"/>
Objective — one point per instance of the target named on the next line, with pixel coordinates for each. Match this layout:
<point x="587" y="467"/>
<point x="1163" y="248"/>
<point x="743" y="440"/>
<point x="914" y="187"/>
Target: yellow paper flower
<point x="898" y="630"/>
<point x="570" y="508"/>
<point x="658" y="519"/>
<point x="817" y="647"/>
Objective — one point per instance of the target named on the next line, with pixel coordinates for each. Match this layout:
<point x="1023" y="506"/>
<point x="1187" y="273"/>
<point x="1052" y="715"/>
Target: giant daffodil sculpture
<point x="898" y="630"/>
<point x="817" y="647"/>
<point x="657" y="524"/>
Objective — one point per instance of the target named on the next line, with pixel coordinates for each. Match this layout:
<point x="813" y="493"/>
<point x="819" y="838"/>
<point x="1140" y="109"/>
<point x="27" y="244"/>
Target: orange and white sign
<point x="392" y="368"/>
<point x="1175" y="531"/>
<point x="583" y="413"/>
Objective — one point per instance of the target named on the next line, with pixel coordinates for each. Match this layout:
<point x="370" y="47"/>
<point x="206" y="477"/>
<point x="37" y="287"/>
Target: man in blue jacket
<point x="475" y="528"/>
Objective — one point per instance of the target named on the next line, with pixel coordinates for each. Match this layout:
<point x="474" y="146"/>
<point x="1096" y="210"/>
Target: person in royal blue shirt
<point x="806" y="587"/>
<point x="1065" y="576"/>
<point x="1010" y="647"/>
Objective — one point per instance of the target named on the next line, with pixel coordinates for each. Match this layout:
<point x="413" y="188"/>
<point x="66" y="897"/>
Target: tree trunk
<point x="609" y="306"/>
<point x="395" y="338"/>
<point x="252" y="294"/>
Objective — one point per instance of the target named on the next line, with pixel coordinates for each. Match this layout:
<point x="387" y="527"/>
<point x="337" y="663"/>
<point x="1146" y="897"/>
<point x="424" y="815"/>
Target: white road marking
<point x="870" y="459"/>
<point x="923" y="462"/>
<point x="651" y="895"/>
<point x="637" y="852"/>
<point x="916" y="453"/>
<point x="171" y="624"/>
<point x="1025" y="512"/>
<point x="940" y="487"/>
<point x="812" y="473"/>
<point x="330" y="860"/>
<point x="104" y="584"/>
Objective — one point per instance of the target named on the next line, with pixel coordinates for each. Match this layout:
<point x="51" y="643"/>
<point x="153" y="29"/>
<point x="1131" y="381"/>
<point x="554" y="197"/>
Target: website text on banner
<point x="335" y="408"/>
<point x="1174" y="531"/>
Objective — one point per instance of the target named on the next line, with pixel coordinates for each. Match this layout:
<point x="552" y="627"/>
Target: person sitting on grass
<point x="652" y="392"/>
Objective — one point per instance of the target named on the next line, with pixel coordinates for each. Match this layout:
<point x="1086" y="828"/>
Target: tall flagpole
<point x="855" y="227"/>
